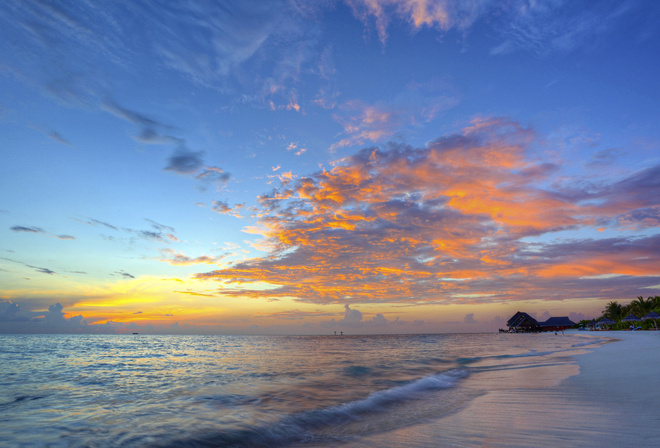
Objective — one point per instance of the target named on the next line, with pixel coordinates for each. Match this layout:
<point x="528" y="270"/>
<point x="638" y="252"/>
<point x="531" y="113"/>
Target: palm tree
<point x="641" y="307"/>
<point x="656" y="303"/>
<point x="614" y="311"/>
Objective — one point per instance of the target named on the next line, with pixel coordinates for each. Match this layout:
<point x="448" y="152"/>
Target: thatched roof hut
<point x="557" y="324"/>
<point x="652" y="315"/>
<point x="523" y="322"/>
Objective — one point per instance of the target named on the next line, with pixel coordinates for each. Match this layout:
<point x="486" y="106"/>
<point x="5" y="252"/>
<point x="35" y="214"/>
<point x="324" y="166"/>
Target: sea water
<point x="246" y="391"/>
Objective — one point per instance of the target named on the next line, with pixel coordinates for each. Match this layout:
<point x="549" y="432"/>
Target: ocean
<point x="253" y="391"/>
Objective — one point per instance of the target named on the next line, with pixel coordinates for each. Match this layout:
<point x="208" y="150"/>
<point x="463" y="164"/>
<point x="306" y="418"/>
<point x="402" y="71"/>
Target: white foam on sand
<point x="613" y="401"/>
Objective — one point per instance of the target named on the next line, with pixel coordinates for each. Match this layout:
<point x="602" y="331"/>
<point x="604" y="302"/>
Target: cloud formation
<point x="219" y="45"/>
<point x="213" y="45"/>
<point x="30" y="229"/>
<point x="541" y="27"/>
<point x="39" y="230"/>
<point x="14" y="319"/>
<point x="95" y="222"/>
<point x="225" y="209"/>
<point x="295" y="314"/>
<point x="151" y="131"/>
<point x="58" y="138"/>
<point x="179" y="259"/>
<point x="182" y="160"/>
<point x="36" y="268"/>
<point x="11" y="312"/>
<point x="351" y="316"/>
<point x="376" y="123"/>
<point x="468" y="218"/>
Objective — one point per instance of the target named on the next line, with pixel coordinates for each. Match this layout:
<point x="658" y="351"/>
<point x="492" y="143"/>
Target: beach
<point x="604" y="396"/>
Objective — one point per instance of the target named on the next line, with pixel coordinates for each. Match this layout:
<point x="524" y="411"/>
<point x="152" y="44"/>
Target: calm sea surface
<point x="245" y="391"/>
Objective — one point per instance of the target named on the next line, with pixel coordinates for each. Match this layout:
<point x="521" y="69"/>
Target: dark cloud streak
<point x="95" y="222"/>
<point x="58" y="138"/>
<point x="36" y="268"/>
<point x="27" y="229"/>
<point x="183" y="160"/>
<point x="39" y="230"/>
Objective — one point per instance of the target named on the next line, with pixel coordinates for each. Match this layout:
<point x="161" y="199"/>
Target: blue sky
<point x="279" y="167"/>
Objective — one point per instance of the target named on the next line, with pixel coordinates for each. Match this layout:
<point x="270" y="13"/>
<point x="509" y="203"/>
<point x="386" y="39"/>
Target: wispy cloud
<point x="158" y="232"/>
<point x="42" y="270"/>
<point x="39" y="230"/>
<point x="370" y="124"/>
<point x="549" y="26"/>
<point x="58" y="138"/>
<point x="417" y="105"/>
<point x="224" y="208"/>
<point x="417" y="13"/>
<point x="217" y="45"/>
<point x="65" y="237"/>
<point x="192" y="293"/>
<point x="151" y="130"/>
<point x="151" y="235"/>
<point x="541" y="26"/>
<point x="220" y="45"/>
<point x="296" y="314"/>
<point x="294" y="147"/>
<point x="30" y="229"/>
<point x="182" y="160"/>
<point x="36" y="268"/>
<point x="214" y="45"/>
<point x="95" y="222"/>
<point x="180" y="259"/>
<point x="467" y="218"/>
<point x="213" y="175"/>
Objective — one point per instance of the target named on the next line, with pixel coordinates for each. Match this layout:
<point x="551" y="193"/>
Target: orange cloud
<point x="419" y="13"/>
<point x="371" y="124"/>
<point x="418" y="103"/>
<point x="468" y="215"/>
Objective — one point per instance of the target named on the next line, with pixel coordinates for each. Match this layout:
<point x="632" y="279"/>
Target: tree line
<point x="639" y="307"/>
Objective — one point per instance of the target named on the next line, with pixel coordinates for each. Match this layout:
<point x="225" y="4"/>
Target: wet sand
<point x="605" y="396"/>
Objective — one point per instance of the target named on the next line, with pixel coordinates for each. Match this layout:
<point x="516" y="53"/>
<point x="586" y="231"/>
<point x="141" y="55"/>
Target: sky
<point x="306" y="167"/>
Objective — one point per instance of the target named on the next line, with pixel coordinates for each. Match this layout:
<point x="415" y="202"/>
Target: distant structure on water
<point x="524" y="323"/>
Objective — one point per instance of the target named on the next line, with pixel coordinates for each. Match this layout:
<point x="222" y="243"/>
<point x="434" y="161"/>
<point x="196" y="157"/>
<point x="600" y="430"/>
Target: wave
<point x="329" y="424"/>
<point x="595" y="341"/>
<point x="531" y="353"/>
<point x="466" y="361"/>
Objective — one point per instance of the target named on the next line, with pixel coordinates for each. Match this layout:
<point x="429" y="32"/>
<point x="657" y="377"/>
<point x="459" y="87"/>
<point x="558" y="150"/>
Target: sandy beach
<point x="606" y="396"/>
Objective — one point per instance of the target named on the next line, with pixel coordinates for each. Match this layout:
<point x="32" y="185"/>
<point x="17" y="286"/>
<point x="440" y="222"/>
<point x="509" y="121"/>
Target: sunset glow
<point x="302" y="168"/>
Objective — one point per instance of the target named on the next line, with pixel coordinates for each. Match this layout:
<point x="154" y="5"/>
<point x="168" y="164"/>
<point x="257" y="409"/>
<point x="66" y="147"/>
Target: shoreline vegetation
<point x="640" y="314"/>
